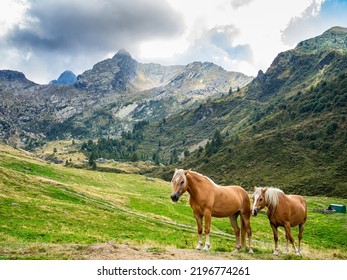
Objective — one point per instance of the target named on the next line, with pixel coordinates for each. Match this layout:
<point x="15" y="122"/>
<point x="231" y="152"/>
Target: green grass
<point x="53" y="212"/>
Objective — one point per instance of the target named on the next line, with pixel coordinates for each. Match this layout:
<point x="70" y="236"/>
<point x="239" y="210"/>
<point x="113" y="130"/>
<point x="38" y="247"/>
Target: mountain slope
<point x="286" y="128"/>
<point x="311" y="61"/>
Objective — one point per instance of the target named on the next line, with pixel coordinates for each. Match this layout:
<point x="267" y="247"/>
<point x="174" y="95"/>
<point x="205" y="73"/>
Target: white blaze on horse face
<point x="178" y="184"/>
<point x="257" y="202"/>
<point x="255" y="199"/>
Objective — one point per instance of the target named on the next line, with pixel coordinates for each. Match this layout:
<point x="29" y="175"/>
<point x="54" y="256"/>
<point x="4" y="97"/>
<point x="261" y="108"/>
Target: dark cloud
<point x="75" y="34"/>
<point x="87" y="25"/>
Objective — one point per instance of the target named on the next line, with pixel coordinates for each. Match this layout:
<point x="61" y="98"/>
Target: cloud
<point x="42" y="38"/>
<point x="81" y="24"/>
<point x="241" y="36"/>
<point x="67" y="29"/>
<point x="217" y="45"/>
<point x="317" y="18"/>
<point x="239" y="3"/>
<point x="223" y="37"/>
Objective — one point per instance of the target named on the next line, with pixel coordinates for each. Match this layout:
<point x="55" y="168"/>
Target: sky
<point x="43" y="38"/>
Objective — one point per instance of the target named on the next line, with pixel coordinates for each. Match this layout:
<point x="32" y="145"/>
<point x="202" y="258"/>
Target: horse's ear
<point x="187" y="171"/>
<point x="176" y="169"/>
<point x="255" y="188"/>
<point x="263" y="190"/>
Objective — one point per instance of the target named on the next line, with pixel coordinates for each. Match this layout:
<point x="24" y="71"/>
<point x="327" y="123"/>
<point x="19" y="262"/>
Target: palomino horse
<point x="210" y="200"/>
<point x="283" y="210"/>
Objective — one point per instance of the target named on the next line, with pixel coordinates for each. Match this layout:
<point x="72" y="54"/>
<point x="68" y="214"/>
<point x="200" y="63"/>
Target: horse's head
<point x="179" y="184"/>
<point x="258" y="200"/>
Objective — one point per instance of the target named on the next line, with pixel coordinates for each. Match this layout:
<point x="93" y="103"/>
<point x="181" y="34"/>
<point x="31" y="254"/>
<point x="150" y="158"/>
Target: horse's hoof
<point x="236" y="251"/>
<point x="275" y="253"/>
<point x="285" y="251"/>
<point x="298" y="253"/>
<point x="206" y="248"/>
<point x="250" y="251"/>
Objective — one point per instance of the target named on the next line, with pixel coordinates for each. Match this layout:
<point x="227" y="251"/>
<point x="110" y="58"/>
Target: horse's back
<point x="229" y="200"/>
<point x="240" y="193"/>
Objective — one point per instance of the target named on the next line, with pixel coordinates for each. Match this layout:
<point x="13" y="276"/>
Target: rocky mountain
<point x="13" y="80"/>
<point x="66" y="78"/>
<point x="124" y="74"/>
<point x="107" y="99"/>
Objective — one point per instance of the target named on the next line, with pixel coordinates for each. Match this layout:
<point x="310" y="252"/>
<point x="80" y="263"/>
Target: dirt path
<point x="128" y="252"/>
<point x="125" y="251"/>
<point x="110" y="251"/>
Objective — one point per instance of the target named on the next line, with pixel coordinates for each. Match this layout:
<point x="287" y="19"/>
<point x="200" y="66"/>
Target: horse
<point x="207" y="200"/>
<point x="283" y="210"/>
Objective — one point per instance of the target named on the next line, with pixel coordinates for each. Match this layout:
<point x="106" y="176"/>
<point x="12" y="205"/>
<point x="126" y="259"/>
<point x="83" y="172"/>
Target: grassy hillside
<point x="53" y="212"/>
<point x="298" y="143"/>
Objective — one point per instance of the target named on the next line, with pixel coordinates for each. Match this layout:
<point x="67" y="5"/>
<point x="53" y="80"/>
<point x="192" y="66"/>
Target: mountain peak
<point x="66" y="78"/>
<point x="336" y="30"/>
<point x="334" y="39"/>
<point x="122" y="53"/>
<point x="14" y="77"/>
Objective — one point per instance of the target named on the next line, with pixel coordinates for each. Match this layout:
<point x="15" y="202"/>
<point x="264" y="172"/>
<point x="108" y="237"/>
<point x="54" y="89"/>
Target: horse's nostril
<point x="175" y="197"/>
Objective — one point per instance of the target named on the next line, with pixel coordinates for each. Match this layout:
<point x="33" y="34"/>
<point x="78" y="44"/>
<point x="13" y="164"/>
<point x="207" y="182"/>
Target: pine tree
<point x="92" y="159"/>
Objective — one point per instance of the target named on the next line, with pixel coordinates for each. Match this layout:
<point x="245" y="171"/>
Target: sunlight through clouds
<point x="12" y="13"/>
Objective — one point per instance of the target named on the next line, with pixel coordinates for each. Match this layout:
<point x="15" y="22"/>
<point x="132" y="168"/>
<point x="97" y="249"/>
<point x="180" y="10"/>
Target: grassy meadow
<point x="49" y="211"/>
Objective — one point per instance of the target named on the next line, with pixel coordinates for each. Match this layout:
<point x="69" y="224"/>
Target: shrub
<point x="299" y="136"/>
<point x="331" y="128"/>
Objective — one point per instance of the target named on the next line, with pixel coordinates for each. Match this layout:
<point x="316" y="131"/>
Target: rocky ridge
<point x="107" y="99"/>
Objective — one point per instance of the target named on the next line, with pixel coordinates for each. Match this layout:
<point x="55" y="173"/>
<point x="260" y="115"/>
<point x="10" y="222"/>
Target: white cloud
<point x="254" y="27"/>
<point x="11" y="13"/>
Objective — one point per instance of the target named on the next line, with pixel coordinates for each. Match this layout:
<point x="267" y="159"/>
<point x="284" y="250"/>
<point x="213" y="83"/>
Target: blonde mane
<point x="178" y="173"/>
<point x="207" y="178"/>
<point x="272" y="197"/>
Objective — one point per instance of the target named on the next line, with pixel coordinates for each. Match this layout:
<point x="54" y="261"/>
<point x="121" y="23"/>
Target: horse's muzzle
<point x="175" y="197"/>
<point x="255" y="212"/>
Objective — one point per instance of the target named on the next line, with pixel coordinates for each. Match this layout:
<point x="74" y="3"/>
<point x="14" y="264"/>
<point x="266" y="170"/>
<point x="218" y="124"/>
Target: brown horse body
<point x="209" y="200"/>
<point x="283" y="210"/>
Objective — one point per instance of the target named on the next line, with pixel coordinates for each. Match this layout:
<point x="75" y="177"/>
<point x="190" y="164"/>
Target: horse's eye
<point x="261" y="199"/>
<point x="182" y="183"/>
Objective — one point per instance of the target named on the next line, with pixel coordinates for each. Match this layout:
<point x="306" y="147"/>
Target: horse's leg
<point x="289" y="236"/>
<point x="275" y="232"/>
<point x="301" y="229"/>
<point x="198" y="219"/>
<point x="207" y="215"/>
<point x="233" y="221"/>
<point x="246" y="228"/>
<point x="286" y="250"/>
